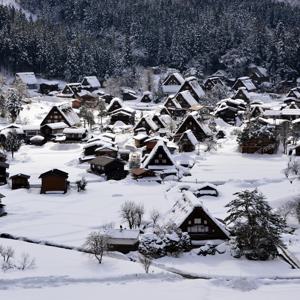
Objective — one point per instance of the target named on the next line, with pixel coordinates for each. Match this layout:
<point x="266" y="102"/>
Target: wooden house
<point x="2" y="207"/>
<point x="30" y="131"/>
<point x="256" y="111"/>
<point x="173" y="108"/>
<point x="139" y="140"/>
<point x="191" y="84"/>
<point x="192" y="217"/>
<point x="165" y="111"/>
<point x="146" y="97"/>
<point x="70" y="90"/>
<point x="146" y="123"/>
<point x="90" y="83"/>
<point x="124" y="114"/>
<point x="229" y="109"/>
<point x="54" y="181"/>
<point x="243" y="94"/>
<point x="287" y="114"/>
<point x="76" y="103"/>
<point x="160" y="121"/>
<point x="128" y="94"/>
<point x="258" y="74"/>
<point x="112" y="168"/>
<point x="244" y="82"/>
<point x="122" y="240"/>
<point x="3" y="174"/>
<point x="211" y="82"/>
<point x="20" y="181"/>
<point x="28" y="79"/>
<point x="187" y="142"/>
<point x="50" y="130"/>
<point x="206" y="189"/>
<point x="75" y="134"/>
<point x="294" y="93"/>
<point x="47" y="87"/>
<point x="107" y="150"/>
<point x="200" y="130"/>
<point x="87" y="99"/>
<point x="107" y="98"/>
<point x="90" y="147"/>
<point x="138" y="173"/>
<point x="261" y="139"/>
<point x="114" y="105"/>
<point x="159" y="158"/>
<point x="172" y="83"/>
<point x="186" y="100"/>
<point x="62" y="113"/>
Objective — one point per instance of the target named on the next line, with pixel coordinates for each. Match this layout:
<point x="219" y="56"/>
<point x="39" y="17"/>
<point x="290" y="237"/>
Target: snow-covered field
<point x="68" y="219"/>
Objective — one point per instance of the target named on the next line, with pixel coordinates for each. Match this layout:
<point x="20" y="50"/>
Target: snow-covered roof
<point x="150" y="122"/>
<point x="92" y="81"/>
<point x="178" y="77"/>
<point x="74" y="130"/>
<point x="27" y="78"/>
<point x="190" y="135"/>
<point x="174" y="101"/>
<point x="283" y="112"/>
<point x="106" y="147"/>
<point x="31" y="127"/>
<point x="159" y="144"/>
<point x="37" y="138"/>
<point x="69" y="114"/>
<point x="247" y="82"/>
<point x="187" y="96"/>
<point x="113" y="101"/>
<point x="196" y="86"/>
<point x="57" y="125"/>
<point x="122" y="236"/>
<point x="185" y="206"/>
<point x="203" y="126"/>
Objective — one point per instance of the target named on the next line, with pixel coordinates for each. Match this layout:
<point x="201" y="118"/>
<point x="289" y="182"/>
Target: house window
<point x="205" y="222"/>
<point x="198" y="229"/>
<point x="156" y="161"/>
<point x="197" y="221"/>
<point x="164" y="161"/>
<point x="190" y="222"/>
<point x="160" y="156"/>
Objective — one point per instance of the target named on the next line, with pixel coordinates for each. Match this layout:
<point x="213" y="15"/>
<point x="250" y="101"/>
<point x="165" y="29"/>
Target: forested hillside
<point x="83" y="37"/>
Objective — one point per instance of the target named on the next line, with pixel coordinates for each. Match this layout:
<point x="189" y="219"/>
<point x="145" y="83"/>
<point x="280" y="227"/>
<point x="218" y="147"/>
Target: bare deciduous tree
<point x="292" y="170"/>
<point x="96" y="244"/>
<point x="26" y="262"/>
<point x="7" y="255"/>
<point x="132" y="213"/>
<point x="154" y="215"/>
<point x="146" y="262"/>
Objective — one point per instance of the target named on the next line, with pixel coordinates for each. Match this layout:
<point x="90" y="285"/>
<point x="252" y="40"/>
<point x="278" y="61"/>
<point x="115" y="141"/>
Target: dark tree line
<point x="82" y="37"/>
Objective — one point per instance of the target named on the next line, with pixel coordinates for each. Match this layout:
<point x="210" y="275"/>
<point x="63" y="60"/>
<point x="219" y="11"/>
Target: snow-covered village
<point x="149" y="161"/>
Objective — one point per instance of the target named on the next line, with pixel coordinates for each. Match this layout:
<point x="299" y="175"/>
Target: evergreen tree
<point x="256" y="228"/>
<point x="12" y="143"/>
<point x="13" y="104"/>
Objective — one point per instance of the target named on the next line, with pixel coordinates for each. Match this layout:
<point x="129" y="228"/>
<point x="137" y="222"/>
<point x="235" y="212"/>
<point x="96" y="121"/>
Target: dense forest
<point x="82" y="37"/>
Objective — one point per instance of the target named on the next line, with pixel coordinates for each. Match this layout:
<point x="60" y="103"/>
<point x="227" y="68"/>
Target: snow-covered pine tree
<point x="12" y="143"/>
<point x="13" y="104"/>
<point x="256" y="228"/>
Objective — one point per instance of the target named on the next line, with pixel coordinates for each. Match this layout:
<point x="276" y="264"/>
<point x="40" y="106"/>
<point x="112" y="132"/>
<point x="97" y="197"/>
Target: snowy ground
<point x="67" y="273"/>
<point x="68" y="219"/>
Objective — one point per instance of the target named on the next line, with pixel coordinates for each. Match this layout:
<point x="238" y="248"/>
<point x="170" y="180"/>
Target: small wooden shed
<point x="54" y="181"/>
<point x="20" y="181"/>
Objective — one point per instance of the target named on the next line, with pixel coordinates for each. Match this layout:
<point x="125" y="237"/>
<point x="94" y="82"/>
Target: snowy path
<point x="57" y="281"/>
